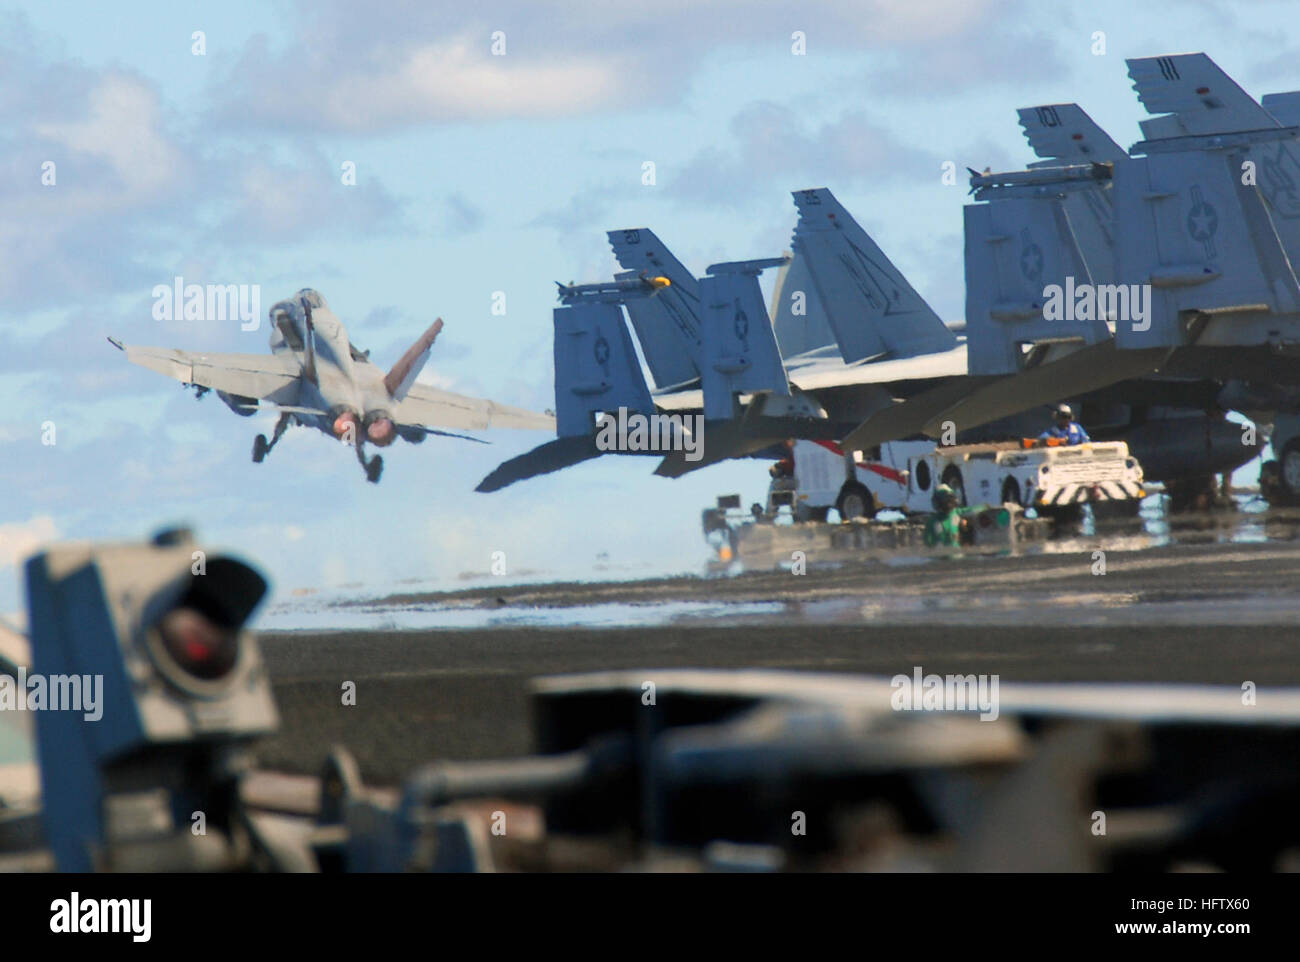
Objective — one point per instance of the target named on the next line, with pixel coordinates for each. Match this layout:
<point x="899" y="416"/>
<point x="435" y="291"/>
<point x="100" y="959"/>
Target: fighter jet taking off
<point x="317" y="378"/>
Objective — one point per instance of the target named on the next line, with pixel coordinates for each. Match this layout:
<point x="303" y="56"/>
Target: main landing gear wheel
<point x="374" y="468"/>
<point x="262" y="447"/>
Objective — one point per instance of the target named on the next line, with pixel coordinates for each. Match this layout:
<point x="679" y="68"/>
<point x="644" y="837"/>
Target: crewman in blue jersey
<point x="1065" y="429"/>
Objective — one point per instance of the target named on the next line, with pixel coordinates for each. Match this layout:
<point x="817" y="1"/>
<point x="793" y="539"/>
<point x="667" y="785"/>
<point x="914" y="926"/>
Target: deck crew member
<point x="1065" y="428"/>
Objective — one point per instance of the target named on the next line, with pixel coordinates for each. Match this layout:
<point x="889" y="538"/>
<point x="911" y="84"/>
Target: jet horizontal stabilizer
<point x="563" y="452"/>
<point x="723" y="440"/>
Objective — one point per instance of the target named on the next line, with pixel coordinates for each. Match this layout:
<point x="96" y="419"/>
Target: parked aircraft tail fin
<point x="741" y="354"/>
<point x="1196" y="97"/>
<point x="798" y="317"/>
<point x="870" y="306"/>
<point x="665" y="326"/>
<point x="668" y="324"/>
<point x="1284" y="107"/>
<point x="596" y="367"/>
<point x="1024" y="264"/>
<point x="1202" y="241"/>
<point x="1065" y="133"/>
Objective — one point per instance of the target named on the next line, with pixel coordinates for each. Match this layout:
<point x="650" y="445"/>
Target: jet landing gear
<point x="373" y="467"/>
<point x="261" y="448"/>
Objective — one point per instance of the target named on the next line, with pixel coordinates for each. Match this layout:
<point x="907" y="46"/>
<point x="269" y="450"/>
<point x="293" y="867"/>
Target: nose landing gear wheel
<point x="374" y="468"/>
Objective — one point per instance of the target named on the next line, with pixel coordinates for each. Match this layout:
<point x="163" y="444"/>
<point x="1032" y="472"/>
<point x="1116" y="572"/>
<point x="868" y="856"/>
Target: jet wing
<point x="971" y="402"/>
<point x="427" y="406"/>
<point x="813" y="374"/>
<point x="249" y="375"/>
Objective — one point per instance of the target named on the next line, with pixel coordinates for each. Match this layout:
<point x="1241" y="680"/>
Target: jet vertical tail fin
<point x="668" y="324"/>
<point x="871" y="307"/>
<point x="1205" y="237"/>
<point x="741" y="354"/>
<point x="1285" y="107"/>
<point x="1204" y="244"/>
<point x="1021" y="250"/>
<point x="798" y="317"/>
<point x="1196" y="94"/>
<point x="1064" y="133"/>
<point x="596" y="368"/>
<point x="664" y="325"/>
<point x="399" y="380"/>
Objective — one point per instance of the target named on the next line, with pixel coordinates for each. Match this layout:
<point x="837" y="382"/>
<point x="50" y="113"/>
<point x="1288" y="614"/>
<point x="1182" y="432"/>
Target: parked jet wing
<point x="430" y="407"/>
<point x="972" y="402"/>
<point x="813" y="374"/>
<point x="906" y="419"/>
<point x="247" y="375"/>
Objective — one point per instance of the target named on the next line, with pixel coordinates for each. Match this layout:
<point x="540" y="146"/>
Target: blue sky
<point x="475" y="174"/>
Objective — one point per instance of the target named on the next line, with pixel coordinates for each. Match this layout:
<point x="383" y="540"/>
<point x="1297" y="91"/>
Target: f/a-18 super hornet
<point x="317" y="378"/>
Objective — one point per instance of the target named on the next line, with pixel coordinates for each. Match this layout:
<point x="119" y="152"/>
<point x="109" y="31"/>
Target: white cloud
<point x="20" y="539"/>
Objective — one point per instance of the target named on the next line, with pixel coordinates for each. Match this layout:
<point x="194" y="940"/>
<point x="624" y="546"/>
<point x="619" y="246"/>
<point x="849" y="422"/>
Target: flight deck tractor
<point x="902" y="476"/>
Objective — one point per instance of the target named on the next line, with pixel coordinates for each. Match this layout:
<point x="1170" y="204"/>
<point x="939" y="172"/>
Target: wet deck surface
<point x="1214" y="599"/>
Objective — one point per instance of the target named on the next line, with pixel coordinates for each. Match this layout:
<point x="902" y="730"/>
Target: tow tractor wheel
<point x="1290" y="465"/>
<point x="855" y="501"/>
<point x="259" y="448"/>
<point x="1270" y="484"/>
<point x="1191" y="494"/>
